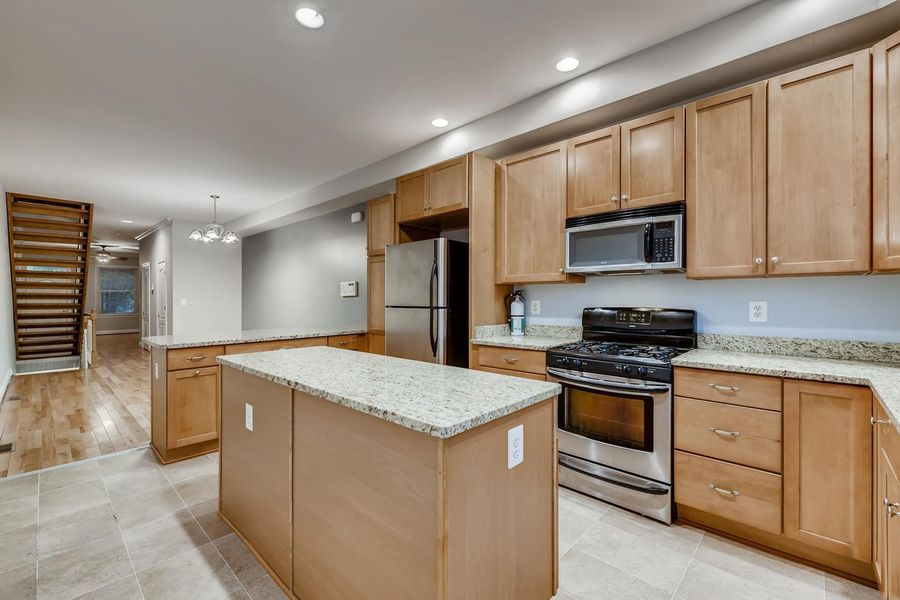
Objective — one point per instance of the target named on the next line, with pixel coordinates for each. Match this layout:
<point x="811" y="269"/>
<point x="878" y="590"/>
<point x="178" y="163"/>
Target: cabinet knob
<point x="614" y="198"/>
<point x="875" y="421"/>
<point x="562" y="270"/>
<point x="758" y="260"/>
<point x="624" y="197"/>
<point x="196" y="373"/>
<point x="893" y="508"/>
<point x="775" y="260"/>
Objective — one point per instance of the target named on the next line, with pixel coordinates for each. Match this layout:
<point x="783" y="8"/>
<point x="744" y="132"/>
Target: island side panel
<point x="158" y="400"/>
<point x="255" y="466"/>
<point x="366" y="506"/>
<point x="500" y="523"/>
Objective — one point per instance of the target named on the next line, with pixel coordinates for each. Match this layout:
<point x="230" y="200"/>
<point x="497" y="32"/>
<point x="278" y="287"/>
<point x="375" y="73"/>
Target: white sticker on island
<point x="515" y="439"/>
<point x="248" y="416"/>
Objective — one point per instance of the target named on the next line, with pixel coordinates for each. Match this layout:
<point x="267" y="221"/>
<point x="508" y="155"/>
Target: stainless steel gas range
<point x="615" y="411"/>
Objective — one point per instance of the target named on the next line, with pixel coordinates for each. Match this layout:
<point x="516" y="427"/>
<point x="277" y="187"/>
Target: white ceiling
<point x="147" y="107"/>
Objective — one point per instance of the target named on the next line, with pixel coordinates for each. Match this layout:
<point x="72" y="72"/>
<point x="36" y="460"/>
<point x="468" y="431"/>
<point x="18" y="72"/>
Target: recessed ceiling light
<point x="310" y="18"/>
<point x="127" y="221"/>
<point x="440" y="122"/>
<point x="569" y="63"/>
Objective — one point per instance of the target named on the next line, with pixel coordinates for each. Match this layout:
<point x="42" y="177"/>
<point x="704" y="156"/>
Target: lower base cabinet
<point x="531" y="364"/>
<point x="193" y="398"/>
<point x="886" y="505"/>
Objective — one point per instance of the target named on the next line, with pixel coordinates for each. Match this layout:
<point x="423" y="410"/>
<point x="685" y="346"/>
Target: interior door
<point x="162" y="291"/>
<point x="145" y="300"/>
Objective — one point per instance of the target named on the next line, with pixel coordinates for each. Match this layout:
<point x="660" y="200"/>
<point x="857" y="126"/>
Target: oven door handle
<point x="611" y="476"/>
<point x="605" y="385"/>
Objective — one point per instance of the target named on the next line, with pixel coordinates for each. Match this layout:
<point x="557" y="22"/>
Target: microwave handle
<point x="648" y="243"/>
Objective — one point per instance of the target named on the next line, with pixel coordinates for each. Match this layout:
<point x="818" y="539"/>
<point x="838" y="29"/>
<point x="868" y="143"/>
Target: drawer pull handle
<point x="723" y="491"/>
<point x="875" y="421"/>
<point x="725" y="388"/>
<point x="893" y="508"/>
<point x="724" y="433"/>
<point x="511" y="359"/>
<point x="196" y="373"/>
<point x="197" y="357"/>
<point x="342" y="343"/>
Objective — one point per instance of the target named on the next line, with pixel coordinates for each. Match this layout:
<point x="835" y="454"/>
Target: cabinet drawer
<point x="740" y="494"/>
<point x="345" y="342"/>
<point x="274" y="345"/>
<point x="755" y="391"/>
<point x="748" y="436"/>
<point x="529" y="361"/>
<point x="534" y="376"/>
<point x="192" y="358"/>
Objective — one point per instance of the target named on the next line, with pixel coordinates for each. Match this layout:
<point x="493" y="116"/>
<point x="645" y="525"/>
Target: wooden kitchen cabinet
<point x="193" y="406"/>
<point x="653" y="159"/>
<point x="887" y="495"/>
<point x="828" y="467"/>
<point x="412" y="193"/>
<point x="380" y="225"/>
<point x="886" y="155"/>
<point x="531" y="217"/>
<point x="819" y="197"/>
<point x="448" y="186"/>
<point x="726" y="184"/>
<point x="375" y="281"/>
<point x="593" y="182"/>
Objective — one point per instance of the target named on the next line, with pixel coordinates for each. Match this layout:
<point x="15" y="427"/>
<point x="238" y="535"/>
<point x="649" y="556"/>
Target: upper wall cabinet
<point x="726" y="184"/>
<point x="439" y="189"/>
<point x="531" y="217"/>
<point x="819" y="201"/>
<point x="886" y="154"/>
<point x="593" y="173"/>
<point x="380" y="225"/>
<point x="653" y="159"/>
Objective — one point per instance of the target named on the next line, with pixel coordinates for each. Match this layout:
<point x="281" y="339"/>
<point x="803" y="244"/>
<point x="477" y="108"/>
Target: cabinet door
<point x="892" y="535"/>
<point x="380" y="224"/>
<point x="653" y="159"/>
<point x="448" y="186"/>
<point x="375" y="288"/>
<point x="882" y="468"/>
<point x="193" y="406"/>
<point x="828" y="467"/>
<point x="593" y="174"/>
<point x="726" y="184"/>
<point x="412" y="192"/>
<point x="376" y="343"/>
<point x="886" y="154"/>
<point x="531" y="216"/>
<point x="819" y="206"/>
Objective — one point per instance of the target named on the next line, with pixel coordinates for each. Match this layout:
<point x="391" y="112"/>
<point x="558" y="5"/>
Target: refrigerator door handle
<point x="431" y="285"/>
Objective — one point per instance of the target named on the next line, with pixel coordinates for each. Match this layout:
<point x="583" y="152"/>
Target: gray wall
<point x="110" y="324"/>
<point x="291" y="275"/>
<point x="862" y="307"/>
<point x="7" y="335"/>
<point x="206" y="284"/>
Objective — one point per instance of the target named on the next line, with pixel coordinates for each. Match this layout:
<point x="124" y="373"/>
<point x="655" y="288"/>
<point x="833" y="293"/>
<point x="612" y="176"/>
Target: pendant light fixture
<point x="213" y="232"/>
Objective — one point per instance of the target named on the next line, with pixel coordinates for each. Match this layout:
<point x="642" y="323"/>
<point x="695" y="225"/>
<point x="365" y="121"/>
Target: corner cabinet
<point x="819" y="172"/>
<point x="886" y="155"/>
<point x="531" y="217"/>
<point x="726" y="184"/>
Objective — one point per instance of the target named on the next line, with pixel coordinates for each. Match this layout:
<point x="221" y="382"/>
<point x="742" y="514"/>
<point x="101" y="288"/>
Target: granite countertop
<point x="882" y="378"/>
<point x="434" y="399"/>
<point x="243" y="337"/>
<point x="523" y="342"/>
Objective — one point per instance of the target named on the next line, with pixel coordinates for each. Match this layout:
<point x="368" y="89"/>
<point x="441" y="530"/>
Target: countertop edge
<point x="440" y="432"/>
<point x="539" y="343"/>
<point x="225" y="341"/>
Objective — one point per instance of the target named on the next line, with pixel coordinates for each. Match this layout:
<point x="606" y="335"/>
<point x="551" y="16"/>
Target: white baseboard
<point x="4" y="383"/>
<point x="117" y="331"/>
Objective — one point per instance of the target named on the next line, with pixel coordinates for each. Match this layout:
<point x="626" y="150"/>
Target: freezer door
<point x="415" y="274"/>
<point x="416" y="333"/>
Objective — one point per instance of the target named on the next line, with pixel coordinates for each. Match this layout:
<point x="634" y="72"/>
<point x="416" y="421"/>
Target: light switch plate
<point x="515" y="439"/>
<point x="349" y="289"/>
<point x="759" y="311"/>
<point x="184" y="301"/>
<point x="248" y="416"/>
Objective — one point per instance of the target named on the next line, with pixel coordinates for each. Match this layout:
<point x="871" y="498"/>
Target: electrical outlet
<point x="515" y="453"/>
<point x="184" y="301"/>
<point x="535" y="307"/>
<point x="759" y="311"/>
<point x="155" y="370"/>
<point x="248" y="416"/>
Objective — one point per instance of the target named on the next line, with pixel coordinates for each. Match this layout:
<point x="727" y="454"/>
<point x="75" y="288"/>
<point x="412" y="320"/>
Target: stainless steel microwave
<point x="630" y="241"/>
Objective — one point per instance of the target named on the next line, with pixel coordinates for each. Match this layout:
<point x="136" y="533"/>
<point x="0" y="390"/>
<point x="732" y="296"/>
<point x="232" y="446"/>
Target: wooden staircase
<point x="49" y="253"/>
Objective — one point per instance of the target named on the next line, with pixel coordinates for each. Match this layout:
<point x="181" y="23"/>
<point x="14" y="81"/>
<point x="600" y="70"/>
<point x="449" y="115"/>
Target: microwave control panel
<point x="664" y="242"/>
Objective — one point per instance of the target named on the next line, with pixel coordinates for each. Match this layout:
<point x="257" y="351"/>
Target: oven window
<point x="625" y="421"/>
<point x="614" y="246"/>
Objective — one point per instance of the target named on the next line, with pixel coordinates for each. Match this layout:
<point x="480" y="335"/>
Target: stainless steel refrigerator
<point x="426" y="297"/>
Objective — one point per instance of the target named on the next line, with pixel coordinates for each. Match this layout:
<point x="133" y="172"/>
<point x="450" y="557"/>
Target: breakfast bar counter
<point x="355" y="475"/>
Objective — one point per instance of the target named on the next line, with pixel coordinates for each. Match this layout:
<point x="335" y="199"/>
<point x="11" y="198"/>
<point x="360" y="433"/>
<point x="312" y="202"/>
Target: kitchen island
<point x="357" y="476"/>
<point x="184" y="380"/>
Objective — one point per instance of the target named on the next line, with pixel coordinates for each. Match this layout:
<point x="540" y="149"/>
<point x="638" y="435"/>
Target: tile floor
<point x="125" y="528"/>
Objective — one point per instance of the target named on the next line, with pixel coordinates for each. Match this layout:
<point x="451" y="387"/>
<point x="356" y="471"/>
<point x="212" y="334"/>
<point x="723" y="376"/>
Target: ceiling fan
<point x="103" y="256"/>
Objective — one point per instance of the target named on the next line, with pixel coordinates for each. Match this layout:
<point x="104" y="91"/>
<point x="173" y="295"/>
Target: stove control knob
<point x="626" y="369"/>
<point x="642" y="371"/>
<point x="563" y="361"/>
<point x="577" y="363"/>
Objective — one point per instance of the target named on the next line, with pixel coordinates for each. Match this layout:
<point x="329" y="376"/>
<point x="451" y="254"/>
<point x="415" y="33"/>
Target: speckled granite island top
<point x="882" y="378"/>
<point x="242" y="337"/>
<point x="434" y="399"/>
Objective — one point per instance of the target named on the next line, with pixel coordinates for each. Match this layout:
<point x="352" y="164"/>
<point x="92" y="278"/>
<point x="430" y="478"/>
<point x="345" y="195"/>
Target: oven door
<point x="616" y="422"/>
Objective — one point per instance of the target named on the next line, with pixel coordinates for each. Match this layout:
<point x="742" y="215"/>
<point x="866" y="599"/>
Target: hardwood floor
<point x="58" y="418"/>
